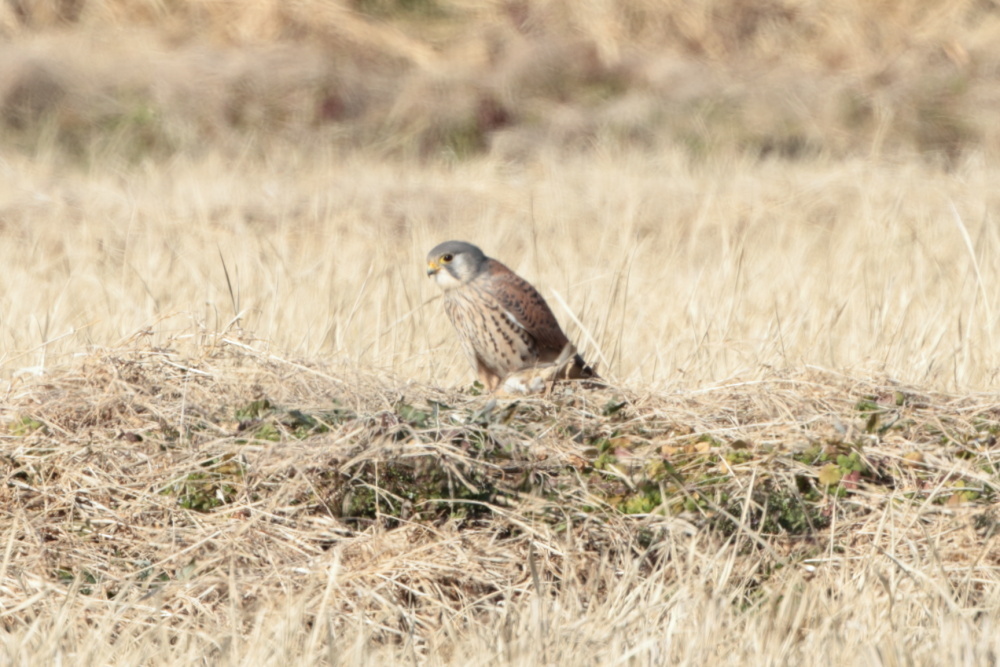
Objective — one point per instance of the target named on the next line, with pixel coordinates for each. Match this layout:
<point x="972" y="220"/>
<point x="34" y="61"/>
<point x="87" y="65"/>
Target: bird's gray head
<point x="454" y="263"/>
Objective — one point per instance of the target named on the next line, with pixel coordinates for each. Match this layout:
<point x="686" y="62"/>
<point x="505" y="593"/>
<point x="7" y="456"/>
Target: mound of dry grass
<point x="211" y="498"/>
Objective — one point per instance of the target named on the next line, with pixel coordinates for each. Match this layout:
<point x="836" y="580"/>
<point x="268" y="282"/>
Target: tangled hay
<point x="200" y="487"/>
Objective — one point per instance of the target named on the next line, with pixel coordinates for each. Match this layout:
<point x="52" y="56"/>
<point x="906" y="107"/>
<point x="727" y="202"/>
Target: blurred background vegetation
<point x="139" y="79"/>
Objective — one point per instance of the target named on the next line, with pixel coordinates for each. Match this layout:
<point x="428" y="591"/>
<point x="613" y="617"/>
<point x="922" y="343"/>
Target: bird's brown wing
<point x="527" y="307"/>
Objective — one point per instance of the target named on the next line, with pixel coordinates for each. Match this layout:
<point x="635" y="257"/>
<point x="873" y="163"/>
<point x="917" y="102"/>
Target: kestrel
<point x="503" y="322"/>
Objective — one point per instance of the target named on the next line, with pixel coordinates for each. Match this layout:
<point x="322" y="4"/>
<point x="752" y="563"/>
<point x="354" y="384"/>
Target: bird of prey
<point x="504" y="324"/>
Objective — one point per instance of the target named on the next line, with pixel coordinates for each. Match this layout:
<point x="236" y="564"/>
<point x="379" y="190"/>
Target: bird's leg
<point x="492" y="382"/>
<point x="487" y="377"/>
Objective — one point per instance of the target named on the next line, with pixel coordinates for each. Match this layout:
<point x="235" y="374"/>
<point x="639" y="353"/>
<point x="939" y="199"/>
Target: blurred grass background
<point x="135" y="79"/>
<point x="702" y="190"/>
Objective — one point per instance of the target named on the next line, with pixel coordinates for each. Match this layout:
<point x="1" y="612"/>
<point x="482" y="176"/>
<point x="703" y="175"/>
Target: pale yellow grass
<point x="667" y="274"/>
<point x="102" y="566"/>
<point x="748" y="314"/>
<point x="706" y="292"/>
<point x="861" y="610"/>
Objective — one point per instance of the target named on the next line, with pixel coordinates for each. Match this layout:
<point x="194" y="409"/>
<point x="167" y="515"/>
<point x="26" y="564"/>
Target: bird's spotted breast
<point x="489" y="334"/>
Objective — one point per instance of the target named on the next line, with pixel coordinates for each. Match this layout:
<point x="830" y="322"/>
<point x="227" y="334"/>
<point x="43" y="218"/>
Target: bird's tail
<point x="572" y="366"/>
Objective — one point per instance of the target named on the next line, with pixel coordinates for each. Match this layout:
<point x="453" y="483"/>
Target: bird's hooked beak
<point x="433" y="267"/>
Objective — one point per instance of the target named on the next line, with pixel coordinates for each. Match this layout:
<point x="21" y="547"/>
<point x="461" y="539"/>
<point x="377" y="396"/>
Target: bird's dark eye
<point x="447" y="258"/>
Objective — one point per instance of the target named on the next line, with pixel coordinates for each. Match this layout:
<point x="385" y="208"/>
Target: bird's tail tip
<point x="573" y="366"/>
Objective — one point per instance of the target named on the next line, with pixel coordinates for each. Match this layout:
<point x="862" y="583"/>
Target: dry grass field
<point x="236" y="426"/>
